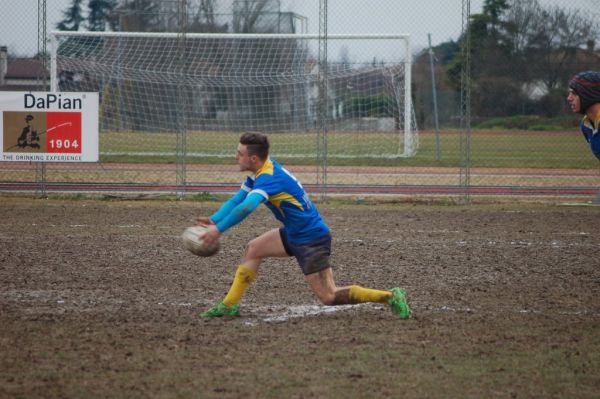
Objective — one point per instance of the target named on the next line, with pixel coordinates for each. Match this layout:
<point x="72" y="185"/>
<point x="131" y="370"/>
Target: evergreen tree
<point x="72" y="17"/>
<point x="101" y="15"/>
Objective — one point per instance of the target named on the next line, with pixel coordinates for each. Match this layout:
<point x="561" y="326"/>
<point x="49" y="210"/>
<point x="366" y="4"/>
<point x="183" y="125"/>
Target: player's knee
<point x="327" y="298"/>
<point x="252" y="249"/>
<point x="329" y="301"/>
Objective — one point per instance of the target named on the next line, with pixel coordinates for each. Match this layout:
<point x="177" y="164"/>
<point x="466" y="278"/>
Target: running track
<point x="341" y="180"/>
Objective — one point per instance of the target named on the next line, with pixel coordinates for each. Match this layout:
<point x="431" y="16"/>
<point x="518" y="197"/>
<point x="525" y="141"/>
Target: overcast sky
<point x="441" y="18"/>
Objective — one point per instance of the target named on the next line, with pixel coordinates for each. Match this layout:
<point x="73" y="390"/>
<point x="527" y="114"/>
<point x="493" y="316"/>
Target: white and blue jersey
<point x="279" y="190"/>
<point x="286" y="198"/>
<point x="591" y="134"/>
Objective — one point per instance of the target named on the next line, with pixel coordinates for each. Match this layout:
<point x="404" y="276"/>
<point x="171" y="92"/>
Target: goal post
<point x="227" y="83"/>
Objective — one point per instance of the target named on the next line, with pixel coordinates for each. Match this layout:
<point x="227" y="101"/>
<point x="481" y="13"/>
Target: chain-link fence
<point x="389" y="98"/>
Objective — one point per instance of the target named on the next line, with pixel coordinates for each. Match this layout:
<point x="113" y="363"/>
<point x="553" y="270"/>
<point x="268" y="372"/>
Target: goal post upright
<point x="408" y="131"/>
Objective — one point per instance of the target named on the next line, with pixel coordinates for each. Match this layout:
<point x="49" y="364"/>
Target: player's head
<point x="252" y="151"/>
<point x="586" y="86"/>
<point x="28" y="118"/>
<point x="257" y="144"/>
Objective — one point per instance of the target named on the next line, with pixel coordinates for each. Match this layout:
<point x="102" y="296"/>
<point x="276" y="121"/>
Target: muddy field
<point x="99" y="299"/>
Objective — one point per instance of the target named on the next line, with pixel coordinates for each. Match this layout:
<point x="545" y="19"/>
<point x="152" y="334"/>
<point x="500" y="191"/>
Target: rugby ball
<point x="192" y="241"/>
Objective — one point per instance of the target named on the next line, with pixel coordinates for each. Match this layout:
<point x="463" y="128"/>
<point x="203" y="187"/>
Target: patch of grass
<point x="531" y="122"/>
<point x="206" y="197"/>
<point x="543" y="148"/>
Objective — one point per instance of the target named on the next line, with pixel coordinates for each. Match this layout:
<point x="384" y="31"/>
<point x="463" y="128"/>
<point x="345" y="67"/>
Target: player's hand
<point x="204" y="221"/>
<point x="211" y="237"/>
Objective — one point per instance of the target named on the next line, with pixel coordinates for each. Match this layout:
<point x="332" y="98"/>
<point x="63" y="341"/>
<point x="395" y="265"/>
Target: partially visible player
<point x="584" y="98"/>
<point x="304" y="234"/>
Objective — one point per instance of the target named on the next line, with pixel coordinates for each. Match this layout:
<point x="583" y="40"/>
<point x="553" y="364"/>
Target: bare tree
<point x="205" y="18"/>
<point x="545" y="40"/>
<point x="560" y="34"/>
<point x="138" y="16"/>
<point x="519" y="23"/>
<point x="250" y="15"/>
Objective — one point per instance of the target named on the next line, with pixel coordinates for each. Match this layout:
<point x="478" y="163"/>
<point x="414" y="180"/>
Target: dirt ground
<point x="98" y="299"/>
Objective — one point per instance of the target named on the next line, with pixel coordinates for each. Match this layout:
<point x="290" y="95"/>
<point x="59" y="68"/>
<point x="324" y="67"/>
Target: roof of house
<point x="26" y="68"/>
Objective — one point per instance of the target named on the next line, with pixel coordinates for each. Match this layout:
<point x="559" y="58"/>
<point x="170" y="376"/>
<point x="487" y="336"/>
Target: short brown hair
<point x="257" y="144"/>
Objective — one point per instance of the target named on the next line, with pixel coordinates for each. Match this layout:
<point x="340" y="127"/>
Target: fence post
<point x="465" y="100"/>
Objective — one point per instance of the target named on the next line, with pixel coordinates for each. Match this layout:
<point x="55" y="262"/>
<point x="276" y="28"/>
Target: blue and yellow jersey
<point x="288" y="201"/>
<point x="591" y="134"/>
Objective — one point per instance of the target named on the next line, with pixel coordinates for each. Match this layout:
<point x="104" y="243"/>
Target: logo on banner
<point x="42" y="132"/>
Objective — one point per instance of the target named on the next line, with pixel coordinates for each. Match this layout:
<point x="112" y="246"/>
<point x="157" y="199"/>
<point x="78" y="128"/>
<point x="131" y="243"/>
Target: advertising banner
<point x="49" y="127"/>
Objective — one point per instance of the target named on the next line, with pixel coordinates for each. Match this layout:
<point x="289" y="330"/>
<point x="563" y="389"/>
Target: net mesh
<point x="223" y="84"/>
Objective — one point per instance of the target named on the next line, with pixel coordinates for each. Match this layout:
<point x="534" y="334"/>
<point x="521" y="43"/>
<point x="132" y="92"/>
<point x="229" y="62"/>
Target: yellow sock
<point x="358" y="294"/>
<point x="243" y="278"/>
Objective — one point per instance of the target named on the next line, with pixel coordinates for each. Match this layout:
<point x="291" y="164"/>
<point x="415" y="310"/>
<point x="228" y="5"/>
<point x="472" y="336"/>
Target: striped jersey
<point x="288" y="201"/>
<point x="591" y="133"/>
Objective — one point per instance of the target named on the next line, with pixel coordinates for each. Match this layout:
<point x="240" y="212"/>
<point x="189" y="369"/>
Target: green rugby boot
<point x="222" y="310"/>
<point x="398" y="303"/>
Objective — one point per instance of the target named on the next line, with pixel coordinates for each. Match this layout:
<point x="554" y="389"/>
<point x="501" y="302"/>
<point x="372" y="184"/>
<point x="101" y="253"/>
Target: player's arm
<point x="225" y="209"/>
<point x="240" y="212"/>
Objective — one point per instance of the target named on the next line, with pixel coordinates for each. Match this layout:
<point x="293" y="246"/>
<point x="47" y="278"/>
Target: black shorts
<point x="312" y="256"/>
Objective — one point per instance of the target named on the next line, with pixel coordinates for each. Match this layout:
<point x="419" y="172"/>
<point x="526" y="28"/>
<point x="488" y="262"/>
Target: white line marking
<point x="38" y="301"/>
<point x="293" y="312"/>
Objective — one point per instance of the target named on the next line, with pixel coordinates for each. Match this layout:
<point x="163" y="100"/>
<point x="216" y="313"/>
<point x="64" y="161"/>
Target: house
<point x="22" y="74"/>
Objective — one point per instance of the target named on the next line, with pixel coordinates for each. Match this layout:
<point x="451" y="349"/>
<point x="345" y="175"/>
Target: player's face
<point x="574" y="101"/>
<point x="244" y="160"/>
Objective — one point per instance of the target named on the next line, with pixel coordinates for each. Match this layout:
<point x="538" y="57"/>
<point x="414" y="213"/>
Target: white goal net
<point x="214" y="86"/>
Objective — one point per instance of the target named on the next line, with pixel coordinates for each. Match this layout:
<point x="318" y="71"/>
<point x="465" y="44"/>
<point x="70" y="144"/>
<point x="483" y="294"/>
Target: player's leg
<point x="323" y="285"/>
<point x="266" y="245"/>
<point x="313" y="258"/>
